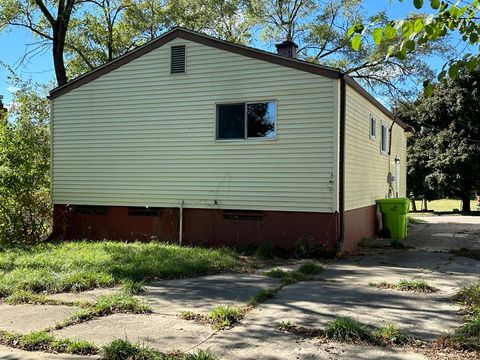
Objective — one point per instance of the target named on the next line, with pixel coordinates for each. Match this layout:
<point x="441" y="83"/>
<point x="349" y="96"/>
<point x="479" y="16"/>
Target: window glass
<point x="373" y="127"/>
<point x="384" y="142"/>
<point x="261" y="120"/>
<point x="231" y="121"/>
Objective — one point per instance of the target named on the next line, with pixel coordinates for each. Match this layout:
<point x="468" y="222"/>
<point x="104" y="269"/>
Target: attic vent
<point x="177" y="59"/>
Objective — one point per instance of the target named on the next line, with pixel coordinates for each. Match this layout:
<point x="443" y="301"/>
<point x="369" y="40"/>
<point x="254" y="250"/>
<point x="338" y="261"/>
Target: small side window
<point x="373" y="127"/>
<point x="384" y="140"/>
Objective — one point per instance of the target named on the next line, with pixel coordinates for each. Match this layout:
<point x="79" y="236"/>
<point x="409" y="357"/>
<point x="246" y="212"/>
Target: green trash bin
<point x="394" y="213"/>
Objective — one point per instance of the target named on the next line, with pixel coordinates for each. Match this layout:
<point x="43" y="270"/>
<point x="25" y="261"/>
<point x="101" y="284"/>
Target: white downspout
<point x="180" y="224"/>
<point x="397" y="176"/>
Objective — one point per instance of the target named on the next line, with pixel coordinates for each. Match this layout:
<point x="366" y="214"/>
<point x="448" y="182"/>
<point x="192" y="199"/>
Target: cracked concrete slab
<point x="7" y="353"/>
<point x="315" y="304"/>
<point x="163" y="332"/>
<point x="203" y="293"/>
<point x="26" y="318"/>
<point x="257" y="338"/>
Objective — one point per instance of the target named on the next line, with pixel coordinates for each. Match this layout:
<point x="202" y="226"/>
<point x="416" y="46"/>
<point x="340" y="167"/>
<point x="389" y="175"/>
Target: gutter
<point x="341" y="166"/>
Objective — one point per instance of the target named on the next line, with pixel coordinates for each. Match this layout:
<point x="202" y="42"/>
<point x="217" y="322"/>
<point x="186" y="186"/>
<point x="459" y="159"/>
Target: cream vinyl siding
<point x="140" y="136"/>
<point x="366" y="168"/>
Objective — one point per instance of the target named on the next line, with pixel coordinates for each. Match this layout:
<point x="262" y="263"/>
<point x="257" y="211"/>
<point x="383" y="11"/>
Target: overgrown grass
<point x="43" y="341"/>
<point x="469" y="296"/>
<point x="345" y="328"/>
<point x="420" y="286"/>
<point x="125" y="350"/>
<point x="307" y="271"/>
<point x="106" y="305"/>
<point x="262" y="296"/>
<point x="223" y="317"/>
<point x="390" y="334"/>
<point x="78" y="266"/>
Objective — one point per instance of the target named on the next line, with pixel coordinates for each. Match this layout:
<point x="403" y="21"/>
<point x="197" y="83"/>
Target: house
<point x="195" y="140"/>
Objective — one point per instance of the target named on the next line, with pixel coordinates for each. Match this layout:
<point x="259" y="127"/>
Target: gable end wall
<point x="139" y="136"/>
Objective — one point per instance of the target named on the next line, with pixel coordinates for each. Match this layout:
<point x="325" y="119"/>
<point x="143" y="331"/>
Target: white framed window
<point x="384" y="139"/>
<point x="246" y="120"/>
<point x="373" y="127"/>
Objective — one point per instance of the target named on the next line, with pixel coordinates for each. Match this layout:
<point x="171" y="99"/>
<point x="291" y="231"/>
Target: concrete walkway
<point x="344" y="290"/>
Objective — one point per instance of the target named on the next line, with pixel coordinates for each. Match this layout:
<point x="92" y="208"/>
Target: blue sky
<point x="13" y="45"/>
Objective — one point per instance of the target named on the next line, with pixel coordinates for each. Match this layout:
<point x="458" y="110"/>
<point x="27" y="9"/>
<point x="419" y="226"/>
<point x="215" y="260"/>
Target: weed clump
<point x="390" y="334"/>
<point x="345" y="328"/>
<point x="226" y="316"/>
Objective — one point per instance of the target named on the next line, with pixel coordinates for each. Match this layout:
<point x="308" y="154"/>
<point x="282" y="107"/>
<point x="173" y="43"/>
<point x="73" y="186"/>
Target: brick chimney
<point x="287" y="48"/>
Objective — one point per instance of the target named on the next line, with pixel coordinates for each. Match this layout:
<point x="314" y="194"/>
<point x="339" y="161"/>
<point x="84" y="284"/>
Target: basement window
<point x="384" y="140"/>
<point x="177" y="59"/>
<point x="373" y="127"/>
<point x="250" y="120"/>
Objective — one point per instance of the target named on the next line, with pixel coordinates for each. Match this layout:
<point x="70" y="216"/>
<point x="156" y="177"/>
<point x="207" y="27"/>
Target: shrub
<point x="25" y="207"/>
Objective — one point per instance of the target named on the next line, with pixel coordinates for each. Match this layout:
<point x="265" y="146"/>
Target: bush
<point x="25" y="207"/>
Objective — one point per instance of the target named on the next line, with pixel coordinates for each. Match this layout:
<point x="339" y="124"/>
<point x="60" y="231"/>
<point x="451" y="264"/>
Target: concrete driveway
<point x="344" y="289"/>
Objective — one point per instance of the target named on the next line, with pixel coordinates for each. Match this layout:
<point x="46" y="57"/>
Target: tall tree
<point x="321" y="27"/>
<point x="48" y="19"/>
<point x="446" y="148"/>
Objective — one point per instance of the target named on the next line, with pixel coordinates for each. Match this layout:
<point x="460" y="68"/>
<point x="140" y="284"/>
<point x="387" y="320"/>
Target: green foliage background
<point x="25" y="206"/>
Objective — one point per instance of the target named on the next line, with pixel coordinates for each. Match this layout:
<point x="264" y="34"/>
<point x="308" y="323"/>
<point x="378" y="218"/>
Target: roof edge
<point x="202" y="39"/>
<point x="356" y="86"/>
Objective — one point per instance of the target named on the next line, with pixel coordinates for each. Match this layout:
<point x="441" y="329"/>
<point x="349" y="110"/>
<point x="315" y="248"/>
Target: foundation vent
<point x="246" y="215"/>
<point x="143" y="211"/>
<point x="90" y="209"/>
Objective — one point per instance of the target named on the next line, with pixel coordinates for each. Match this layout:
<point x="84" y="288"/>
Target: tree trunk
<point x="59" y="35"/>
<point x="424" y="205"/>
<point x="414" y="205"/>
<point x="465" y="204"/>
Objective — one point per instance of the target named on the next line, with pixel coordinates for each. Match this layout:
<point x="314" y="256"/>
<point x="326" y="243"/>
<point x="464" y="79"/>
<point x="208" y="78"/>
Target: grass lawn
<point x="445" y="205"/>
<point x="77" y="266"/>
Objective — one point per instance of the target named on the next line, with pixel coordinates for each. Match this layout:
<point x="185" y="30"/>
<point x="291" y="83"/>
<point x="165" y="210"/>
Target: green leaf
<point x="428" y="88"/>
<point x="390" y="32"/>
<point x="418" y="3"/>
<point x="407" y="29"/>
<point x="435" y="4"/>
<point x="410" y="45"/>
<point x="418" y="25"/>
<point x="471" y="64"/>
<point x="441" y="75"/>
<point x="377" y="35"/>
<point x="350" y="31"/>
<point x="453" y="71"/>
<point x="473" y="37"/>
<point x="356" y="41"/>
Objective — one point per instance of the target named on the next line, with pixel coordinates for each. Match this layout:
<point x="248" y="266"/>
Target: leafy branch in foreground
<point x="446" y="18"/>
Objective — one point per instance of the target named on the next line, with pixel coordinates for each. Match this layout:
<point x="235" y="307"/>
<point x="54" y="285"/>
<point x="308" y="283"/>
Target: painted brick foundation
<point x="359" y="223"/>
<point x="209" y="227"/>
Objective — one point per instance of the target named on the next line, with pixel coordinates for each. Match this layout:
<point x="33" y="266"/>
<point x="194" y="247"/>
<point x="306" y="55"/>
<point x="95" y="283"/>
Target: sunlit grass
<point x="78" y="266"/>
